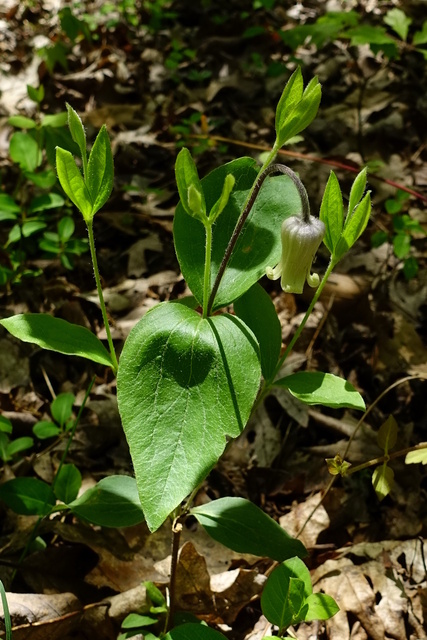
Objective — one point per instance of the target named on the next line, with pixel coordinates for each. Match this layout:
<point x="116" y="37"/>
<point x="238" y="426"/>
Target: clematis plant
<point x="192" y="371"/>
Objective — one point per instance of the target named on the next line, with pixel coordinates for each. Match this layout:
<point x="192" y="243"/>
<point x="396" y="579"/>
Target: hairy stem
<point x="101" y="295"/>
<point x="265" y="171"/>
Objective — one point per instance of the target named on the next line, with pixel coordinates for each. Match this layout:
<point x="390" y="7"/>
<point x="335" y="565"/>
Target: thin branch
<point x="302" y="156"/>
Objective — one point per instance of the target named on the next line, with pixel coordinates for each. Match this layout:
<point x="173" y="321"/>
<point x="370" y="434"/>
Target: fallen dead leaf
<point x="41" y="616"/>
<point x="378" y="598"/>
<point x="14" y="367"/>
<point x="297" y="517"/>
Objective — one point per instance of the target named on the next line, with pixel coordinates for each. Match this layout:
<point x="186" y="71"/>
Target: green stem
<point x="253" y="193"/>
<point x="6" y="613"/>
<point x="207" y="274"/>
<point x="385" y="458"/>
<point x="72" y="432"/>
<point x="100" y="295"/>
<point x="269" y="383"/>
<point x="304" y="320"/>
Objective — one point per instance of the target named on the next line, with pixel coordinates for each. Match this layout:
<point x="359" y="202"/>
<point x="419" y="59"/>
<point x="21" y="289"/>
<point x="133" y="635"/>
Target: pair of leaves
<point x="112" y="502"/>
<point x="90" y="191"/>
<point x="342" y="233"/>
<point x="297" y="107"/>
<point x="288" y="597"/>
<point x="31" y="496"/>
<point x="191" y="193"/>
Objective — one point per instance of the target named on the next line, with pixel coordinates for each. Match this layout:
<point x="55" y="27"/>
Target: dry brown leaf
<point x="40" y="616"/>
<point x="380" y="594"/>
<point x="137" y="264"/>
<point x="404" y="352"/>
<point x="14" y="366"/>
<point x="297" y="517"/>
<point x="233" y="590"/>
<point x="193" y="588"/>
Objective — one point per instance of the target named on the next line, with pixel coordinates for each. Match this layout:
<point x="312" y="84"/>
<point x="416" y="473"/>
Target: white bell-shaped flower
<point x="300" y="241"/>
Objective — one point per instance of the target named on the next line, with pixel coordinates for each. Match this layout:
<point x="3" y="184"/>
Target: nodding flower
<point x="300" y="241"/>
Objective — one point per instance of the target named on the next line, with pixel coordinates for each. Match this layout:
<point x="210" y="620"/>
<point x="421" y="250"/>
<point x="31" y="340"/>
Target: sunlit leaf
<point x="58" y="335"/>
<point x="112" y="502"/>
<point x="382" y="481"/>
<point x="184" y="384"/>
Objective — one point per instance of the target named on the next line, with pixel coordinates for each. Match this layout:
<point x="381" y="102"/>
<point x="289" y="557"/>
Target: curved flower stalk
<point x="301" y="238"/>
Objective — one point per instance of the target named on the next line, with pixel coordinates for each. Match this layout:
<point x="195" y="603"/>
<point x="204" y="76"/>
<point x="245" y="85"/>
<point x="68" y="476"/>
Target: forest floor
<point x="209" y="77"/>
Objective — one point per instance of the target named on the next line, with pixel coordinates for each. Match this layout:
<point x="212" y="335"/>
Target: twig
<point x="302" y="156"/>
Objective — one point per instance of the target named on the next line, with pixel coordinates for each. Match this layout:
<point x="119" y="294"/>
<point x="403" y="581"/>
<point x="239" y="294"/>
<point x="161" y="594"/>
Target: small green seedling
<point x="11" y="448"/>
<point x="26" y="215"/>
<point x="62" y="411"/>
<point x="404" y="230"/>
<point x="288" y="598"/>
<point x="145" y="624"/>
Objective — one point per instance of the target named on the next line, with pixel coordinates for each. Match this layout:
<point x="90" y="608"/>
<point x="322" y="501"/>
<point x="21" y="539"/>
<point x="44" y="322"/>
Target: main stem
<point x="101" y="295"/>
<point x="176" y="536"/>
<point x="207" y="274"/>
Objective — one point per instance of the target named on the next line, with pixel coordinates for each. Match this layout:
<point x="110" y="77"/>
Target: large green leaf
<point x="58" y="335"/>
<point x="242" y="526"/>
<point x="112" y="502"/>
<point x="257" y="310"/>
<point x="259" y="244"/>
<point x="184" y="383"/>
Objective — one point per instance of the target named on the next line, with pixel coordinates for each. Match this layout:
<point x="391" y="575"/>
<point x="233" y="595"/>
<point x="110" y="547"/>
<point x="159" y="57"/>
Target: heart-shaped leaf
<point x="184" y="383"/>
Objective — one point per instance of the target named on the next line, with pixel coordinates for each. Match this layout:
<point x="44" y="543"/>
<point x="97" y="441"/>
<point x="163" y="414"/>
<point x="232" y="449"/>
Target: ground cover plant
<point x="199" y="366"/>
